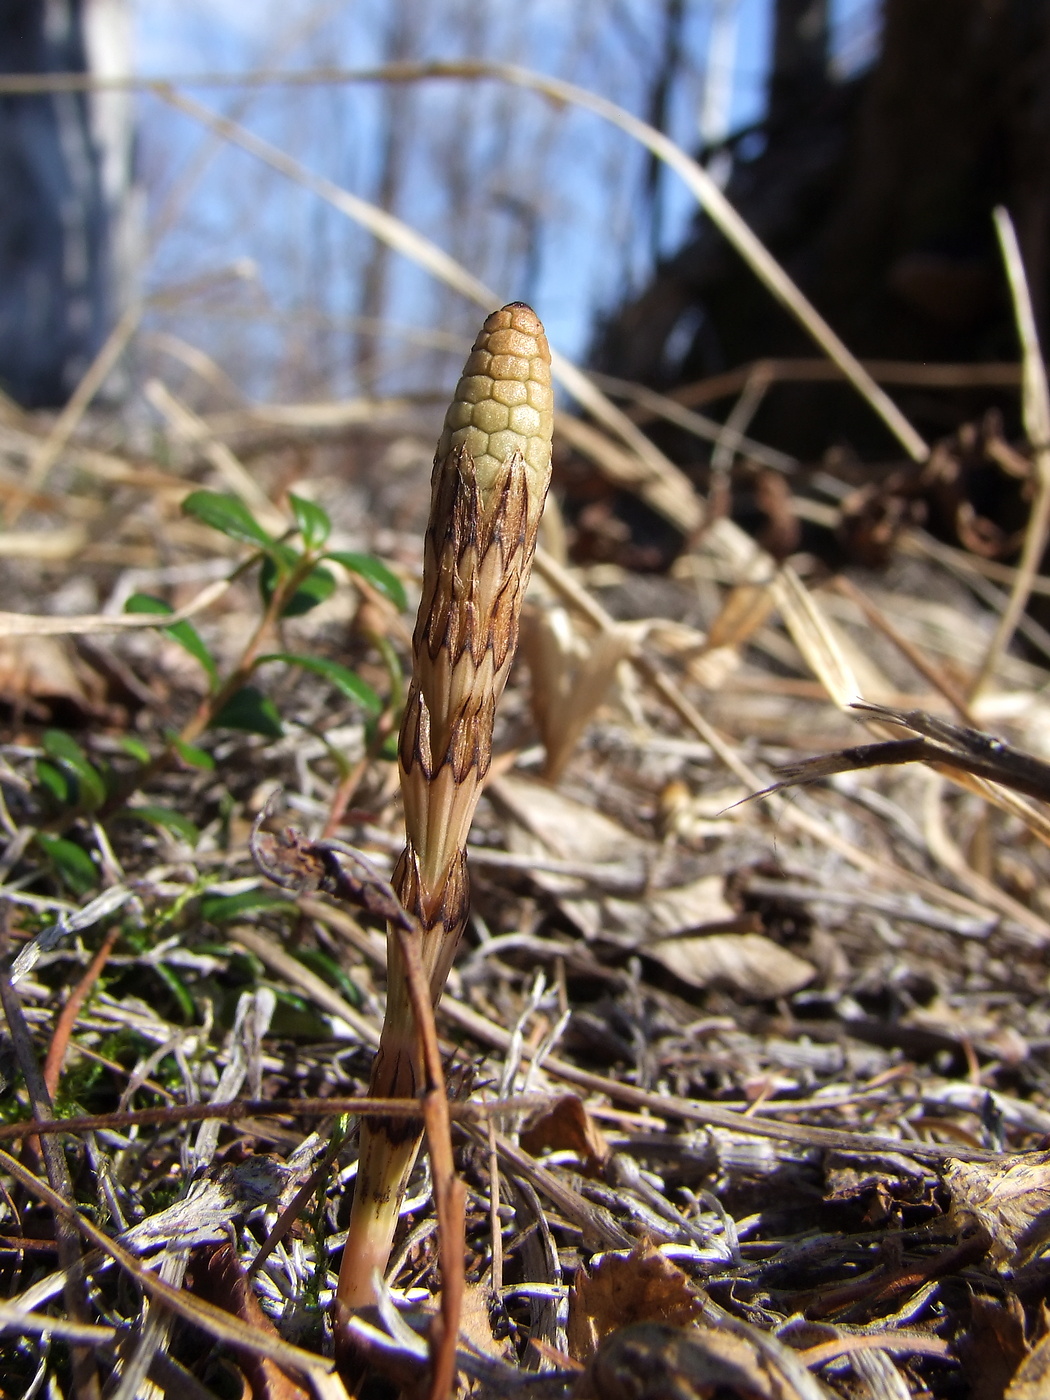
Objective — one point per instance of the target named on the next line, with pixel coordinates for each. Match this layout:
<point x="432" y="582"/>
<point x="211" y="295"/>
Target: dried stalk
<point x="491" y="473"/>
<point x="1035" y="410"/>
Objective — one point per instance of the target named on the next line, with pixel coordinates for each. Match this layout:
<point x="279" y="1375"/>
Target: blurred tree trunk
<point x="800" y="57"/>
<point x="64" y="165"/>
<point x="877" y="194"/>
<point x="397" y="105"/>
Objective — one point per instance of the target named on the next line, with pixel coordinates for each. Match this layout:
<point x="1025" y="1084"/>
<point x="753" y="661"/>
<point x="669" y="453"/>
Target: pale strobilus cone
<point x="491" y="473"/>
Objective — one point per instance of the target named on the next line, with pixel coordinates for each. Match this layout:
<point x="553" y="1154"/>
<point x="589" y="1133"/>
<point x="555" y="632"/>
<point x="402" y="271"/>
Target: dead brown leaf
<point x="571" y="676"/>
<point x="567" y="1127"/>
<point x="657" y="1361"/>
<point x="37" y="670"/>
<point x="1032" y="1381"/>
<point x="749" y="963"/>
<point x="542" y="822"/>
<point x="644" y="1287"/>
<point x="475" y="1325"/>
<point x="224" y="1282"/>
<point x="700" y="903"/>
<point x="995" y="1346"/>
<point x="1009" y="1202"/>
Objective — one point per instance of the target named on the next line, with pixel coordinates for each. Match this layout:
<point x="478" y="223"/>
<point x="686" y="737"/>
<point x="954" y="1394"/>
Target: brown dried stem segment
<point x="491" y="474"/>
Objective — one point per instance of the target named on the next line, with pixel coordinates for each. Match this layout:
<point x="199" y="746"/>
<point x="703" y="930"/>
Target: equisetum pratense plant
<point x="491" y="473"/>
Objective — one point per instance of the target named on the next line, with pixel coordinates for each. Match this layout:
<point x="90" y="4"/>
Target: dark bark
<point x="877" y="196"/>
<point x="800" y="58"/>
<point x="53" y="226"/>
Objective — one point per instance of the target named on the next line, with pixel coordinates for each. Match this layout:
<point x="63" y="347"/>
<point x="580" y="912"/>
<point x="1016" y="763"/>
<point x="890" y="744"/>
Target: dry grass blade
<point x="693" y="175"/>
<point x="932" y="674"/>
<point x="93" y="624"/>
<point x="815" y="638"/>
<point x="490" y="480"/>
<point x="315" y="987"/>
<point x="715" y="205"/>
<point x="215" y="1321"/>
<point x="190" y="428"/>
<point x="405" y="240"/>
<point x="973" y="759"/>
<point x="66" y="424"/>
<point x="668" y="491"/>
<point x="242" y="1110"/>
<point x="1035" y="405"/>
<point x="34" y="544"/>
<point x="700" y="184"/>
<point x="707" y="429"/>
<point x="17" y="1320"/>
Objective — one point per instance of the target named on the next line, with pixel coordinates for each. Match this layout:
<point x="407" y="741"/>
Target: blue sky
<point x="561" y="176"/>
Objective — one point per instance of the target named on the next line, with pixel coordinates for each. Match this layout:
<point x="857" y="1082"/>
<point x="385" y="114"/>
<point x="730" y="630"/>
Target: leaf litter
<point x="748" y="1096"/>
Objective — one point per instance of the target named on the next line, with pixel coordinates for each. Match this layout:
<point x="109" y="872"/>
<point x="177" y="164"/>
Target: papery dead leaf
<point x="1032" y="1381"/>
<point x="571" y="676"/>
<point x="567" y="1127"/>
<point x="45" y="669"/>
<point x="224" y="1282"/>
<point x="543" y="823"/>
<point x="699" y="904"/>
<point x="994" y="1347"/>
<point x="1009" y="1202"/>
<point x="749" y="963"/>
<point x="652" y="1359"/>
<point x="643" y="1287"/>
<point x="475" y="1326"/>
<point x="546" y="822"/>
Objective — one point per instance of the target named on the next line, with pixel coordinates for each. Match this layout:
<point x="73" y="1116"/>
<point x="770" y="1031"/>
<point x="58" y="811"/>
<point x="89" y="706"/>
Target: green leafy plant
<point x="294" y="575"/>
<point x="293" y="579"/>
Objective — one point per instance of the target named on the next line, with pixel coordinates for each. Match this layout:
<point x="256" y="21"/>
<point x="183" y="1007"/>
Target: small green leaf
<point x="228" y="515"/>
<point x="55" y="781"/>
<point x="190" y="753"/>
<point x="329" y="970"/>
<point x="318" y="585"/>
<point x="375" y="572"/>
<point x="314" y="524"/>
<point x="147" y="603"/>
<point x="295" y="1018"/>
<point x="221" y="908"/>
<point x="314" y="589"/>
<point x="177" y="987"/>
<point x="164" y="817"/>
<point x="134" y="748"/>
<point x="71" y="862"/>
<point x="249" y="709"/>
<point x="67" y="753"/>
<point x="63" y="748"/>
<point x="183" y="632"/>
<point x="345" y="681"/>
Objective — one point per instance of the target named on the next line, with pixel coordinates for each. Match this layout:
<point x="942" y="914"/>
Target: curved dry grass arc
<point x="711" y="199"/>
<point x="696" y="179"/>
<point x="426" y="254"/>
